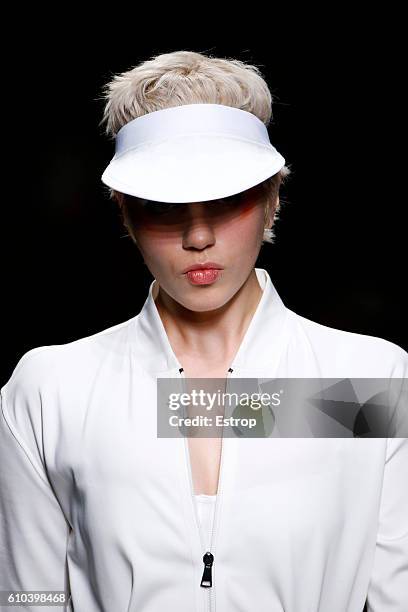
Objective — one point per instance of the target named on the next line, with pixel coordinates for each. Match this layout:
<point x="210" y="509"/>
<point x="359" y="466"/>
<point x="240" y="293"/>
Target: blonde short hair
<point x="189" y="77"/>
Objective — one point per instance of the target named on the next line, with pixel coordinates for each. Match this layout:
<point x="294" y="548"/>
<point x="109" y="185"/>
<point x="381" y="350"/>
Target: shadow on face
<point x="150" y="215"/>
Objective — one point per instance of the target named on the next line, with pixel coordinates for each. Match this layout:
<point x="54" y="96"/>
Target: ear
<point x="271" y="213"/>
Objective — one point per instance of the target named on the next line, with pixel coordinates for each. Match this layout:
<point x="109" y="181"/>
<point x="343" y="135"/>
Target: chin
<point x="204" y="303"/>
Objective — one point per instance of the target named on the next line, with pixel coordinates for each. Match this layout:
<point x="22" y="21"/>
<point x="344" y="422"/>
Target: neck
<point x="210" y="336"/>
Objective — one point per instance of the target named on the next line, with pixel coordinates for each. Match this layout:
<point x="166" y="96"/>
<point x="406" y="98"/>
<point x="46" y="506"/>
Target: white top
<point x="205" y="509"/>
<point x="91" y="500"/>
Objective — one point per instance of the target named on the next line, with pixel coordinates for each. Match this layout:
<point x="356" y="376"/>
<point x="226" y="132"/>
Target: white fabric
<point x="93" y="500"/>
<point x="205" y="510"/>
<point x="191" y="153"/>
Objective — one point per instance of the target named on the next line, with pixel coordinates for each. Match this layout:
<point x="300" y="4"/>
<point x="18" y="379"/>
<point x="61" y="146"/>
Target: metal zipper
<point x="208" y="555"/>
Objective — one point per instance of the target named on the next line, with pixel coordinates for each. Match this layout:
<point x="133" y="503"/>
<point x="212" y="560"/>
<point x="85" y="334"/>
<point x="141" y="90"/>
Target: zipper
<point x="208" y="555"/>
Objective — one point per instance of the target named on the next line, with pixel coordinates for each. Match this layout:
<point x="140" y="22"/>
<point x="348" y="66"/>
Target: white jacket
<point x="92" y="501"/>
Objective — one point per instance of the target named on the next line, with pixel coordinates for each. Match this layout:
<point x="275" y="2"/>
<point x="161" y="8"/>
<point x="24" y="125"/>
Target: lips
<point x="209" y="265"/>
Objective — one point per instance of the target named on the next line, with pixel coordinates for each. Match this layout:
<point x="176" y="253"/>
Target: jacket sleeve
<point x="388" y="588"/>
<point x="33" y="529"/>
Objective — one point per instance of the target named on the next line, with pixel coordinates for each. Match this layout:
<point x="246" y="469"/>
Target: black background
<point x="68" y="269"/>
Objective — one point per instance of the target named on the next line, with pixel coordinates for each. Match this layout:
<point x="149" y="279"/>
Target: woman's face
<point x="172" y="237"/>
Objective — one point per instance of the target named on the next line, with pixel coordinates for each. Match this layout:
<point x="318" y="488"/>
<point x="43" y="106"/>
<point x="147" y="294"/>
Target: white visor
<point x="191" y="153"/>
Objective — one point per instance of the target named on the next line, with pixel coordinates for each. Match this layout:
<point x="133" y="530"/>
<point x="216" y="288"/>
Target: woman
<point x="94" y="502"/>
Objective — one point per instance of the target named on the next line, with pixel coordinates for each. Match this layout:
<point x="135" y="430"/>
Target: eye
<point x="158" y="208"/>
<point x="232" y="199"/>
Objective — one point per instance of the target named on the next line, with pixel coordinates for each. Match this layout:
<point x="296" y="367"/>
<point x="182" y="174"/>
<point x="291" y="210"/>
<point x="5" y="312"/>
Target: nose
<point x="198" y="230"/>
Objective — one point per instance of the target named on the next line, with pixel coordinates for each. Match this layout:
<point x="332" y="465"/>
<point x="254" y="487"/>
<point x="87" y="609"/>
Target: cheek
<point x="156" y="245"/>
<point x="247" y="224"/>
<point x="158" y="248"/>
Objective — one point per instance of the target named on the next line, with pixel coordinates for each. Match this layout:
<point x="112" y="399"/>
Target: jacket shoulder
<point x="41" y="366"/>
<point x="366" y="355"/>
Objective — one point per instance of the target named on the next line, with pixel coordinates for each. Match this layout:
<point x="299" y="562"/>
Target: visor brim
<point x="193" y="169"/>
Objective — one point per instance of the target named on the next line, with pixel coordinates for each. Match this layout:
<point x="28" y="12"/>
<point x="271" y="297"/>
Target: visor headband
<point x="179" y="121"/>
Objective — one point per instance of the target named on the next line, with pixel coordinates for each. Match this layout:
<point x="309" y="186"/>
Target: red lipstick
<point x="203" y="274"/>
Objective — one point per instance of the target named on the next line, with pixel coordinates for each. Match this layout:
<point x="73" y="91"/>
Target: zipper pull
<point x="206" y="580"/>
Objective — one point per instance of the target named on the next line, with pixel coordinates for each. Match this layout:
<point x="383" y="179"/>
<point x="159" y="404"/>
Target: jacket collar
<point x="259" y="350"/>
